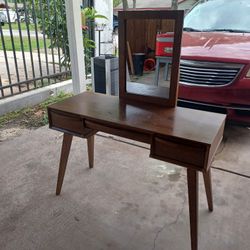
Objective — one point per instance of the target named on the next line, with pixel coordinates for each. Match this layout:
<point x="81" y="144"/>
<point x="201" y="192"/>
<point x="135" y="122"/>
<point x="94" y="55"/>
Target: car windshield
<point x="219" y="15"/>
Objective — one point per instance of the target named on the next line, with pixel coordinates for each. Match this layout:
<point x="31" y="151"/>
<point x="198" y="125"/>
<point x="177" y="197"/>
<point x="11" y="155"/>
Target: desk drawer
<point x="66" y="122"/>
<point x="126" y="133"/>
<point x="178" y="152"/>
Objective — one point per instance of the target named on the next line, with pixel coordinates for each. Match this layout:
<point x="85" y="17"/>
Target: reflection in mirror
<point x="149" y="56"/>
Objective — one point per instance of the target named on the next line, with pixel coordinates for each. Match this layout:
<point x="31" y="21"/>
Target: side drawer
<point x="178" y="152"/>
<point x="66" y="122"/>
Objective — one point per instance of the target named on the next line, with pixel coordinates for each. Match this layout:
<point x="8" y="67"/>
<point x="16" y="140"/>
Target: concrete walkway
<point x="127" y="202"/>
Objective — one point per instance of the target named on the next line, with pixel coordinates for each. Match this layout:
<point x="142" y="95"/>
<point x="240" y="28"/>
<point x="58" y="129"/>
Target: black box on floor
<point x="105" y="74"/>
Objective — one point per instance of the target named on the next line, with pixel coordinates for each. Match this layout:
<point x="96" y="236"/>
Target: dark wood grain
<point x="70" y="122"/>
<point x="143" y="31"/>
<point x="186" y="154"/>
<point x="183" y="123"/>
<point x="67" y="140"/>
<point x="115" y="130"/>
<point x="90" y="143"/>
<point x="208" y="188"/>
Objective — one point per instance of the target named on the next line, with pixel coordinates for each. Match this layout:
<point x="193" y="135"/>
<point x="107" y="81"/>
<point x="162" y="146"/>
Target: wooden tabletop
<point x="189" y="124"/>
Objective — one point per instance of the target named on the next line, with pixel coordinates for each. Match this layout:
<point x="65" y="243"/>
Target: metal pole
<point x="99" y="41"/>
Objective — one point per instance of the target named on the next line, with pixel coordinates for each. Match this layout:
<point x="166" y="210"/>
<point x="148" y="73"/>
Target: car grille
<point x="208" y="73"/>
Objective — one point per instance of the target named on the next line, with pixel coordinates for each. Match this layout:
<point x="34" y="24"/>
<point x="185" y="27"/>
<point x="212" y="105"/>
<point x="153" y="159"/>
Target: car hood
<point x="216" y="46"/>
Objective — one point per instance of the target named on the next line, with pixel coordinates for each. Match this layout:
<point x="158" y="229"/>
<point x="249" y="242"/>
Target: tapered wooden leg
<point x="193" y="195"/>
<point x="208" y="187"/>
<point x="67" y="140"/>
<point x="90" y="141"/>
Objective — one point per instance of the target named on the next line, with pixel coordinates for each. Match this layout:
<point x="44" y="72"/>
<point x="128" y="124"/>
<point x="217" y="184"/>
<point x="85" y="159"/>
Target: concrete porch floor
<point x="128" y="201"/>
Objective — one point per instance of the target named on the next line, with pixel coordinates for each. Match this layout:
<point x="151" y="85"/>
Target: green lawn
<point x="17" y="43"/>
<point x="14" y="26"/>
<point x="33" y="117"/>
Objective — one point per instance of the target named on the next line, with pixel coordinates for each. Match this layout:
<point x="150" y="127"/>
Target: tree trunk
<point x="125" y="4"/>
<point x="174" y="5"/>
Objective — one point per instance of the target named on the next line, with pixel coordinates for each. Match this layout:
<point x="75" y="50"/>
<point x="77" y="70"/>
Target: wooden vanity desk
<point x="186" y="137"/>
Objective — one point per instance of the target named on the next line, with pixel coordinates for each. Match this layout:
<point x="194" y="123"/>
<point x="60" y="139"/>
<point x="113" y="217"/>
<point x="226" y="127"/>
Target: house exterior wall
<point x="183" y="4"/>
<point x="104" y="7"/>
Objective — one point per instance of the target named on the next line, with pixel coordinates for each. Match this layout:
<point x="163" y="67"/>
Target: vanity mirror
<point x="149" y="55"/>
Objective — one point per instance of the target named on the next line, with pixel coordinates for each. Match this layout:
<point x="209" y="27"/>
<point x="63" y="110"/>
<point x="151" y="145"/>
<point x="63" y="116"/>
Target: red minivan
<point x="215" y="58"/>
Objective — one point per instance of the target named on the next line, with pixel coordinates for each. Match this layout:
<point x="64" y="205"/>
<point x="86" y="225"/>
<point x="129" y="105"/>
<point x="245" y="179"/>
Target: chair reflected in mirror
<point x="163" y="55"/>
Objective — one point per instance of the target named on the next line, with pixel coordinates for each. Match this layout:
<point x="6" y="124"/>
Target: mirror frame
<point x="123" y="17"/>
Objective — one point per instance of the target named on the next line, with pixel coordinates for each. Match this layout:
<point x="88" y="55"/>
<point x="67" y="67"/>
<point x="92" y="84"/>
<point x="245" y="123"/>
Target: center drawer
<point x="178" y="152"/>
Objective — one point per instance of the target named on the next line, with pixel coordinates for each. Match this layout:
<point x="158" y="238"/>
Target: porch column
<point x="74" y="26"/>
